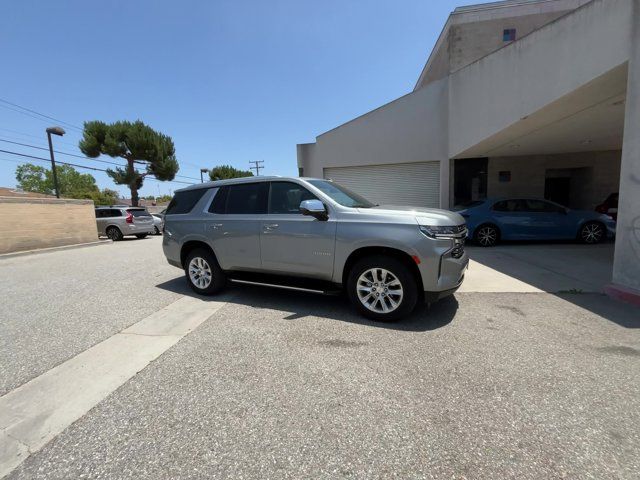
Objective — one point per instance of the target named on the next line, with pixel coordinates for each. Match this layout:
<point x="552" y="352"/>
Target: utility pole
<point x="257" y="166"/>
<point x="203" y="170"/>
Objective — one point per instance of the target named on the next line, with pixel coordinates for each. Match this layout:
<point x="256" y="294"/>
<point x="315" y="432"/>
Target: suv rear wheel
<point x="203" y="273"/>
<point x="382" y="288"/>
<point x="114" y="234"/>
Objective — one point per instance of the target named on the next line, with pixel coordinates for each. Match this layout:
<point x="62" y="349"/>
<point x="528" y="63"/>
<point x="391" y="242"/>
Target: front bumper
<point x="443" y="276"/>
<point x="432" y="297"/>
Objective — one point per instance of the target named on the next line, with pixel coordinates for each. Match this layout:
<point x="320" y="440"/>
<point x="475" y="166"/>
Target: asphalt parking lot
<point x="287" y="385"/>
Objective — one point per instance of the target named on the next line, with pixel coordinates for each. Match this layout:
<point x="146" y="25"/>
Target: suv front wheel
<point x="203" y="273"/>
<point x="382" y="288"/>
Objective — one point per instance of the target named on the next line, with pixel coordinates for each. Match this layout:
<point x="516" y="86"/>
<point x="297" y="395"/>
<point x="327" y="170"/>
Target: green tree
<point x="72" y="184"/>
<point x="224" y="172"/>
<point x="34" y="178"/>
<point x="137" y="144"/>
<point x="163" y="198"/>
<point x="105" y="197"/>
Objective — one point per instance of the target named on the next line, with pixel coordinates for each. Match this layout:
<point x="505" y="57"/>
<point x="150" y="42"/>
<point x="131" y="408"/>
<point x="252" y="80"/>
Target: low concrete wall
<point x="30" y="223"/>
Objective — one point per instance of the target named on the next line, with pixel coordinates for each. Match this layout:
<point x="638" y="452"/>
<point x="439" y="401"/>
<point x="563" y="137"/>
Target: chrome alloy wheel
<point x="487" y="236"/>
<point x="379" y="290"/>
<point x="592" y="233"/>
<point x="200" y="272"/>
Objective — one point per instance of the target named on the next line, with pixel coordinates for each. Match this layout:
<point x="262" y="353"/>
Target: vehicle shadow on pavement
<point x="297" y="305"/>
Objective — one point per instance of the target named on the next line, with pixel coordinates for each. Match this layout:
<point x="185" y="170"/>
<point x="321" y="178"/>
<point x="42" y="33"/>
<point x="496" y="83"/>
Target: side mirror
<point x="314" y="208"/>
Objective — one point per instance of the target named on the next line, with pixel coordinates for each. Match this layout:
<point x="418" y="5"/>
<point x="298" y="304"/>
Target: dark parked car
<point x="609" y="206"/>
<point x="492" y="220"/>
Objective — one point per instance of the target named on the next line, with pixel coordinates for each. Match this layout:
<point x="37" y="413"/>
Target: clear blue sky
<point x="230" y="81"/>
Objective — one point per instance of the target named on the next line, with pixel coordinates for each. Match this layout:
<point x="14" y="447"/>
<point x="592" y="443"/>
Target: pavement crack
<point x="12" y="437"/>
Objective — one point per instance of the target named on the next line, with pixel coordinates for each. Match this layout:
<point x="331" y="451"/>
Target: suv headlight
<point x="454" y="231"/>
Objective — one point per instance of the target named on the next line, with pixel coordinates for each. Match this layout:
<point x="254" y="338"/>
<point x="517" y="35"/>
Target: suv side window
<point x="219" y="203"/>
<point x="112" y="213"/>
<point x="244" y="198"/>
<point x="247" y="198"/>
<point x="183" y="202"/>
<point x="285" y="197"/>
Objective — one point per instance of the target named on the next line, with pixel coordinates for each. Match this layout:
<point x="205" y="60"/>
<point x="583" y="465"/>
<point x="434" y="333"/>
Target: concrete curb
<point x="53" y="249"/>
<point x="623" y="294"/>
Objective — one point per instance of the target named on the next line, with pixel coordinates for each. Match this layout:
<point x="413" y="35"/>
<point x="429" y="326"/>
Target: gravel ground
<point x="57" y="304"/>
<point x="283" y="385"/>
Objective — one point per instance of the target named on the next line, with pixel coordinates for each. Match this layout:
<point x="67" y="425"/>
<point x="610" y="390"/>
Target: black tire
<point x="592" y="233"/>
<point x="486" y="235"/>
<point x="407" y="301"/>
<point x="114" y="234"/>
<point x="218" y="277"/>
<point x="141" y="235"/>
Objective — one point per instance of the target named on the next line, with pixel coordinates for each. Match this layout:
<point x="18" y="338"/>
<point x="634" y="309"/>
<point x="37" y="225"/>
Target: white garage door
<point x="412" y="184"/>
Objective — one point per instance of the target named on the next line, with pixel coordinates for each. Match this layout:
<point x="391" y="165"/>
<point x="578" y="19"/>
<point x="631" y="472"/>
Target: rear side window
<point x="247" y="198"/>
<point x="219" y="203"/>
<point x="183" y="202"/>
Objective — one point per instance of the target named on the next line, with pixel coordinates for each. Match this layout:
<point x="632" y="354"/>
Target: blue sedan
<point x="492" y="220"/>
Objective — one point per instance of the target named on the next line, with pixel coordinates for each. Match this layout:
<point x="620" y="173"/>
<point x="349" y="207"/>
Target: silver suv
<point x="118" y="221"/>
<point x="313" y="234"/>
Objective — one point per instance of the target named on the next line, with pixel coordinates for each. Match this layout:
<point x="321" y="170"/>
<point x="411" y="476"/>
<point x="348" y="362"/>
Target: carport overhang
<point x="591" y="118"/>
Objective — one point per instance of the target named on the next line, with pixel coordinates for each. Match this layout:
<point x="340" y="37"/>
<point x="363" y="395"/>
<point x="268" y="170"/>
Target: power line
<point x="46" y="160"/>
<point x="82" y="156"/>
<point x="25" y="109"/>
<point x="30" y="113"/>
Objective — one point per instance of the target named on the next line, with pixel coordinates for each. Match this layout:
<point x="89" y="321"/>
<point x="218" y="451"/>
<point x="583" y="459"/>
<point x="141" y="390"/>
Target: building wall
<point x="528" y="175"/>
<point x="526" y="75"/>
<point x="30" y="223"/>
<point x="411" y="129"/>
<point x="476" y="31"/>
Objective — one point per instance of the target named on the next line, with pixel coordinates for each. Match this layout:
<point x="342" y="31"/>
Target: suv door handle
<point x="271" y="226"/>
<point x="216" y="226"/>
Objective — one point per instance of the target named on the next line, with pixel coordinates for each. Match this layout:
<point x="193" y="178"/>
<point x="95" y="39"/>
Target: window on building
<point x="509" y="34"/>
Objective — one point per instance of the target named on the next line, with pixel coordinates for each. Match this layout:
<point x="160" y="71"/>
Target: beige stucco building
<point x="520" y="97"/>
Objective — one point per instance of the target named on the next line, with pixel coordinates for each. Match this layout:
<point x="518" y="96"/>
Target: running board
<point x="286" y="287"/>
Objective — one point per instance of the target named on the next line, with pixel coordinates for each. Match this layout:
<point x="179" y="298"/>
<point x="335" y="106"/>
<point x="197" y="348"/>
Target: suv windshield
<point x="341" y="195"/>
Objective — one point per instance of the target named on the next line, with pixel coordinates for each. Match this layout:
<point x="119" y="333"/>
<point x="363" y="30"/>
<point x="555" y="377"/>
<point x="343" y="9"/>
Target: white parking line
<point x="36" y="412"/>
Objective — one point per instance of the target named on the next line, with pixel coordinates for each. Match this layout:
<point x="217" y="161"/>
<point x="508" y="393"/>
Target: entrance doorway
<point x="469" y="180"/>
<point x="558" y="189"/>
<point x="571" y="187"/>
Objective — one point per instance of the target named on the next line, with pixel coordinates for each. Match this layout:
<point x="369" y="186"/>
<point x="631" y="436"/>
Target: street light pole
<point x="203" y="170"/>
<point x="60" y="132"/>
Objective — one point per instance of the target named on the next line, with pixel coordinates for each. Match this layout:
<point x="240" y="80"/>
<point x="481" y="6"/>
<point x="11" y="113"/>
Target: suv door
<point x="234" y="223"/>
<point x="291" y="242"/>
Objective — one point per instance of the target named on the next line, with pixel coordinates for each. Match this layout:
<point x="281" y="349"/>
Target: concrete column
<point x="626" y="264"/>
